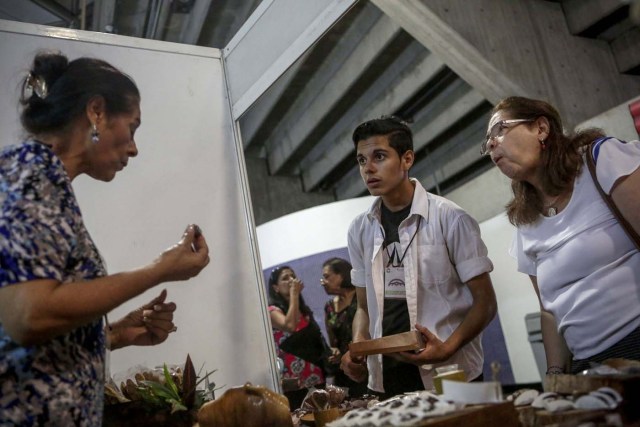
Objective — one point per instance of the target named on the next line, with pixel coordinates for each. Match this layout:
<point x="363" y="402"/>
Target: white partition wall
<point x="189" y="170"/>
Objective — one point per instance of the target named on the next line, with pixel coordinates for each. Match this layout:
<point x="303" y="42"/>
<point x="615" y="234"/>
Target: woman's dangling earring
<point x="542" y="143"/>
<point x="95" y="135"/>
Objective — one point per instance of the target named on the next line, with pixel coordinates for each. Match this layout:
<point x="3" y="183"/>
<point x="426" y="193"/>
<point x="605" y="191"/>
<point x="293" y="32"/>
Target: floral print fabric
<point x="42" y="236"/>
<point x="308" y="374"/>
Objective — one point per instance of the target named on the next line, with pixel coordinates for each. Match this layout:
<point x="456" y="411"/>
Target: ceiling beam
<point x="159" y="17"/>
<point x="531" y="53"/>
<point x="328" y="90"/>
<point x="261" y="51"/>
<point x="350" y="186"/>
<point x="449" y="162"/>
<point x="57" y="9"/>
<point x="459" y="100"/>
<point x="626" y="51"/>
<point x="224" y="19"/>
<point x="256" y="121"/>
<point x="583" y="16"/>
<point x="257" y="124"/>
<point x="191" y="31"/>
<point x="460" y="55"/>
<point x="395" y="88"/>
<point x="103" y="15"/>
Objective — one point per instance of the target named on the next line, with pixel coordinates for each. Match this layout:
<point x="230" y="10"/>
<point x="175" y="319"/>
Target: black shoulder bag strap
<point x="591" y="163"/>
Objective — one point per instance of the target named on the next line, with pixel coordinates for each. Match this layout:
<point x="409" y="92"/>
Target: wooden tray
<point x="501" y="414"/>
<point x="405" y="341"/>
<point x="627" y="385"/>
<point x="532" y="417"/>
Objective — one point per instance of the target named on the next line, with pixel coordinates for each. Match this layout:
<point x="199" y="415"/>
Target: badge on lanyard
<point x="394" y="286"/>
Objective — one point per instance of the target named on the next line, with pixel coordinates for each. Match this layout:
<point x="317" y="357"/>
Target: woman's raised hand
<point x="186" y="258"/>
<point x="295" y="288"/>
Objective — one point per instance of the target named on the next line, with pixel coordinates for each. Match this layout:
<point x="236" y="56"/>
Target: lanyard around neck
<point x="406" y="249"/>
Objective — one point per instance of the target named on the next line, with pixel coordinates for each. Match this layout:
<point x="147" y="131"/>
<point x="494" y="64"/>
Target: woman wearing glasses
<point x="297" y="335"/>
<point x="583" y="266"/>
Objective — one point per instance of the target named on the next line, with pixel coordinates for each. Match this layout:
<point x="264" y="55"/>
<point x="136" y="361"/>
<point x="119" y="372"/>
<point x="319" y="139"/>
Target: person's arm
<point x="355" y="367"/>
<point x="555" y="347"/>
<point x="626" y="195"/>
<point x="288" y="321"/>
<point x="38" y="310"/>
<point x="482" y="311"/>
<point x="150" y="324"/>
<point x="333" y="340"/>
<point x="360" y="326"/>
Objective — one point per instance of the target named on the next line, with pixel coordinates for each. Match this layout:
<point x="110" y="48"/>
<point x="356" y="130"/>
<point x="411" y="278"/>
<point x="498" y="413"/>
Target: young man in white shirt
<point x="418" y="263"/>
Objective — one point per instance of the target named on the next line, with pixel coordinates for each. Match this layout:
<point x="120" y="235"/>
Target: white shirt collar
<point x="419" y="204"/>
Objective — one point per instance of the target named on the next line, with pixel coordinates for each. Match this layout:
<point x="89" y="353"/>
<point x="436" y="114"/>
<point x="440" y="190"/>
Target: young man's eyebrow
<point x="377" y="150"/>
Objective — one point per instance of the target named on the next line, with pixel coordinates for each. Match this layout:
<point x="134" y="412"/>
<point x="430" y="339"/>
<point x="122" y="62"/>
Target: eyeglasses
<point x="497" y="130"/>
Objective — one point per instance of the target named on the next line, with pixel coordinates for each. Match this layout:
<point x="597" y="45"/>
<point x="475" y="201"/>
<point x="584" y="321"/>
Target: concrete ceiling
<point x="371" y="63"/>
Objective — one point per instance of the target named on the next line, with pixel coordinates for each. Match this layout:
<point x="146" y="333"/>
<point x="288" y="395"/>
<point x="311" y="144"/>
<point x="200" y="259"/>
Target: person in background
<point x="81" y="117"/>
<point x="298" y="338"/>
<point x="584" y="267"/>
<point x="418" y="262"/>
<point x="339" y="312"/>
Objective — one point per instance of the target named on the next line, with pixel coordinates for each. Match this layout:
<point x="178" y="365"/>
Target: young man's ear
<point x="407" y="160"/>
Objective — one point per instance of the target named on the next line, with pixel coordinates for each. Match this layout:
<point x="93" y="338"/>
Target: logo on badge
<point x="396" y="282"/>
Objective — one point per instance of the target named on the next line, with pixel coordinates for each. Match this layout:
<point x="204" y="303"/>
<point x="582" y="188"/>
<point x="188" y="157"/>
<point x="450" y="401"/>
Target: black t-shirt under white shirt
<point x="398" y="377"/>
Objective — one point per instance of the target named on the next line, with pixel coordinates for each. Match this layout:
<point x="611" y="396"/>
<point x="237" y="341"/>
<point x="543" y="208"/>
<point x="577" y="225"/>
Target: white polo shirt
<point x="446" y="252"/>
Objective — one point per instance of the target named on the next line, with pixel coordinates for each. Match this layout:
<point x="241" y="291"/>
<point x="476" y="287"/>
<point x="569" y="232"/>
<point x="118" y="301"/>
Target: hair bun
<point x="49" y="66"/>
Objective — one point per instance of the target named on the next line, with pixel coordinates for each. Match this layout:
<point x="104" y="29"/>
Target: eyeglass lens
<point x="494" y="132"/>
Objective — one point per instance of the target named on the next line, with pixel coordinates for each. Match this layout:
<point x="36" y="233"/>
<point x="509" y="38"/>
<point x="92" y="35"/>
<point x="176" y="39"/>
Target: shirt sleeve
<point x="467" y="250"/>
<point x="356" y="253"/>
<point x="36" y="238"/>
<point x="526" y="265"/>
<point x="616" y="159"/>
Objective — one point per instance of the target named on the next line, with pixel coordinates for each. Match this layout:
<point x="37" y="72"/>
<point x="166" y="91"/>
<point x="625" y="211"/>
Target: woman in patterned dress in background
<point x="292" y="318"/>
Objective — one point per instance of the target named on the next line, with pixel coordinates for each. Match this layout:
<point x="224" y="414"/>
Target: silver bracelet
<point x="555" y="370"/>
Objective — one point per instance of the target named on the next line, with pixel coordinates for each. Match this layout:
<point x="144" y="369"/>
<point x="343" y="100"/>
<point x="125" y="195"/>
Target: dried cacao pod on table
<point x="246" y="406"/>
